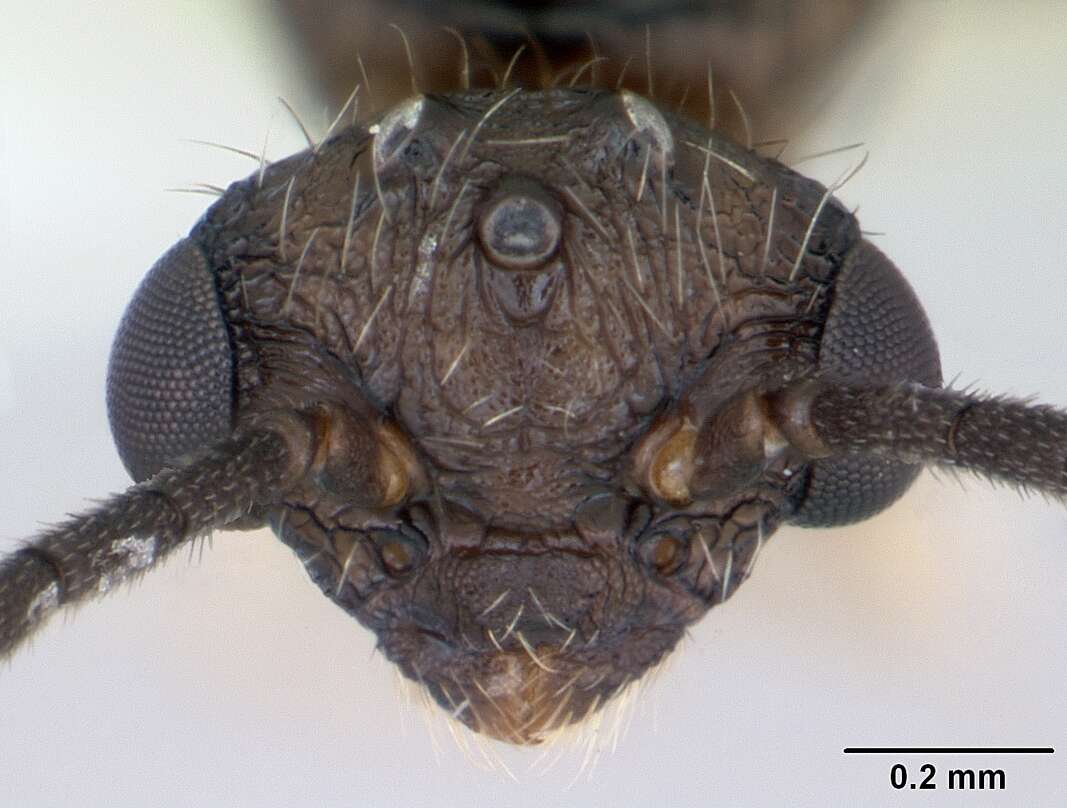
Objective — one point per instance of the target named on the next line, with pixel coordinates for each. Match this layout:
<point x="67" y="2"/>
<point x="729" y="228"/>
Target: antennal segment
<point x="131" y="532"/>
<point x="1006" y="440"/>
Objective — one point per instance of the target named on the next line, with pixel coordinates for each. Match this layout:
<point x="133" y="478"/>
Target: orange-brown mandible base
<point x="524" y="699"/>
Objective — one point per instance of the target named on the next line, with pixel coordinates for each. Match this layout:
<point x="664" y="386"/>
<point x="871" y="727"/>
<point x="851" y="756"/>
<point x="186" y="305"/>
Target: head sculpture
<point x="525" y="379"/>
<point x="536" y="337"/>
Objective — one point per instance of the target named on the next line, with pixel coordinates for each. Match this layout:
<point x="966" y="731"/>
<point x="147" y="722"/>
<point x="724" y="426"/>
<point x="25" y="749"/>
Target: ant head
<point x="542" y="351"/>
<point x="528" y="434"/>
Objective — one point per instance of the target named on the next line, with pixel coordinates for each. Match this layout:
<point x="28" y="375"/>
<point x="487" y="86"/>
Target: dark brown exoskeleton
<point x="525" y="379"/>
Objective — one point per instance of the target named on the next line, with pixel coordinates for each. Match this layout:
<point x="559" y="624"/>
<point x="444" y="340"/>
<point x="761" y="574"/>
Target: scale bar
<point x="949" y="750"/>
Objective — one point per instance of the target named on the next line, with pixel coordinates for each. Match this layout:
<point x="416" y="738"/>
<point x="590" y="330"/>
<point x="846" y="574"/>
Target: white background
<point x="231" y="681"/>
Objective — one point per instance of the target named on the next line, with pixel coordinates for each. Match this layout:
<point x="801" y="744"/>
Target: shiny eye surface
<point x="520" y="231"/>
<point x="401" y="550"/>
<point x="647" y="119"/>
<point x="393" y="132"/>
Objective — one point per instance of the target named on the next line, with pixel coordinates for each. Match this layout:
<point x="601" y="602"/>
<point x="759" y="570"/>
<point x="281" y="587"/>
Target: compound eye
<point x="875" y="333"/>
<point x="170" y="381"/>
<point x="664" y="552"/>
<point x="401" y="550"/>
<point x="520" y="228"/>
